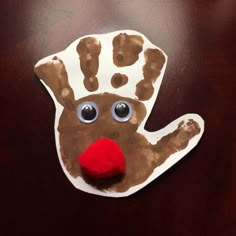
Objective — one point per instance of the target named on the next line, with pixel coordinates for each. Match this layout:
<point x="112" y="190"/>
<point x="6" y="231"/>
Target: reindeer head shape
<point x="104" y="88"/>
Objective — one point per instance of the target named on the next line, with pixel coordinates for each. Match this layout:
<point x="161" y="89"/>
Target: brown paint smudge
<point x="141" y="157"/>
<point x="89" y="50"/>
<point x="118" y="80"/>
<point x="155" y="60"/>
<point x="176" y="141"/>
<point x="126" y="49"/>
<point x="144" y="90"/>
<point x="76" y="136"/>
<point x="54" y="75"/>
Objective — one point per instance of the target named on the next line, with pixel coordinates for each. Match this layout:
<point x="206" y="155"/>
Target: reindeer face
<point x="104" y="87"/>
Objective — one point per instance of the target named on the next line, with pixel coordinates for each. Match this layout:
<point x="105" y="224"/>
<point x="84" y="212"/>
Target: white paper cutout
<point x="71" y="61"/>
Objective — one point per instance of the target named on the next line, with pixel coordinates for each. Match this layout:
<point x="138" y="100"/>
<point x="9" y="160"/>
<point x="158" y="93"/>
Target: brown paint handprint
<point x="104" y="86"/>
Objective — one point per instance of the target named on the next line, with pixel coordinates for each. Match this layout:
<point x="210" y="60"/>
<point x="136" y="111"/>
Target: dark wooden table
<point x="195" y="197"/>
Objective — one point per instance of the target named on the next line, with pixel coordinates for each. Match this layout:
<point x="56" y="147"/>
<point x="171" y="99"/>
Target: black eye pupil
<point x="122" y="110"/>
<point x="88" y="112"/>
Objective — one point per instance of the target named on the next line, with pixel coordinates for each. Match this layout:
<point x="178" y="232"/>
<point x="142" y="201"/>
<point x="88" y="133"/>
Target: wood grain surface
<point x="195" y="197"/>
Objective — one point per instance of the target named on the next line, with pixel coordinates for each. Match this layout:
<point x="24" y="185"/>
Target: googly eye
<point x="121" y="111"/>
<point x="87" y="112"/>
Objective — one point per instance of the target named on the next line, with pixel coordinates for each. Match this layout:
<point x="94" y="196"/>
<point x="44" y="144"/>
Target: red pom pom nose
<point x="102" y="159"/>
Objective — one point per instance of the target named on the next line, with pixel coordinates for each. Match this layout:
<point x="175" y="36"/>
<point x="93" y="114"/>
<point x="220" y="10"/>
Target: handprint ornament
<point x="104" y="88"/>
